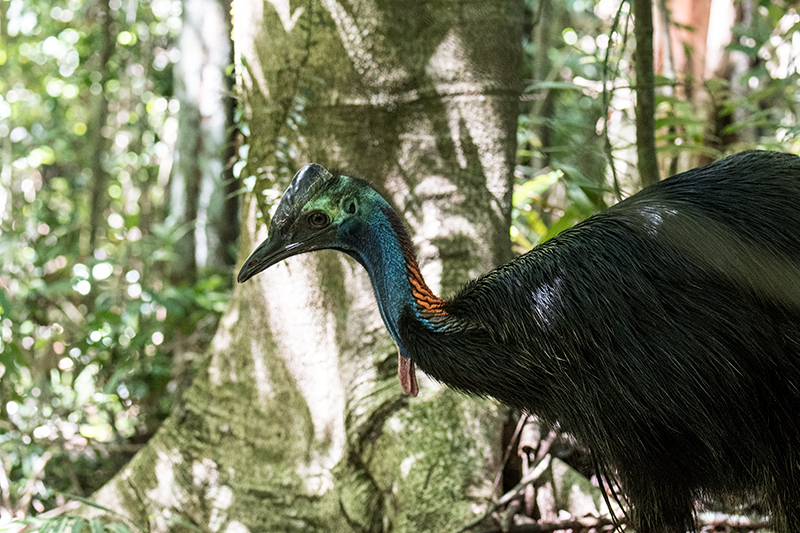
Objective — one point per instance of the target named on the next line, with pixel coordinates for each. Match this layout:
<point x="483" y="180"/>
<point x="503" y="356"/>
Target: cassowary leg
<point x="660" y="509"/>
<point x="785" y="504"/>
<point x="781" y="483"/>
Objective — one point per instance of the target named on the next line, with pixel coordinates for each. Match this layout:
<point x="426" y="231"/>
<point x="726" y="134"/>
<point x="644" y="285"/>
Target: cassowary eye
<point x="318" y="219"/>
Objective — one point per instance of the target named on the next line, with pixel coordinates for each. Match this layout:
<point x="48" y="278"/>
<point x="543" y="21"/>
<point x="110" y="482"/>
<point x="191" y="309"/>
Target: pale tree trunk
<point x="682" y="41"/>
<point x="297" y="421"/>
<point x="202" y="206"/>
<point x="681" y="48"/>
<point x="692" y="48"/>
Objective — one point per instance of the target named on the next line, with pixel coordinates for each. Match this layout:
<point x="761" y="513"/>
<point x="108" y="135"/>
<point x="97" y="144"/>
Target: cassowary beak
<point x="278" y="247"/>
<point x="281" y="241"/>
<point x="272" y="250"/>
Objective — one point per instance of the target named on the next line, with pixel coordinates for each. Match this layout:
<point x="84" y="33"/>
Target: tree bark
<point x="99" y="194"/>
<point x="297" y="421"/>
<point x="685" y="50"/>
<point x="645" y="93"/>
<point x="732" y="66"/>
<point x="695" y="53"/>
<point x="683" y="35"/>
<point x="202" y="206"/>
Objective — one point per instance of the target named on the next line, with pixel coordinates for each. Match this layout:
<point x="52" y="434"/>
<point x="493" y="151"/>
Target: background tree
<point x="726" y="84"/>
<point x="95" y="342"/>
<point x="299" y="398"/>
<point x="647" y="160"/>
<point x="203" y="203"/>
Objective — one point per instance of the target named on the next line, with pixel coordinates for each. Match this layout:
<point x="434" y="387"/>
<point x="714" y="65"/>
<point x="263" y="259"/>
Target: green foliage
<point x="765" y="98"/>
<point x="561" y="169"/>
<point x="64" y="524"/>
<point x="95" y="342"/>
<point x="575" y="153"/>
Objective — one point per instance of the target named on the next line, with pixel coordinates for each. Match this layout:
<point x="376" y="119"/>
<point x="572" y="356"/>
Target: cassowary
<point x="663" y="333"/>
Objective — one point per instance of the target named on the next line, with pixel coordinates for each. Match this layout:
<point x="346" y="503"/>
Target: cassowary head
<point x="318" y="211"/>
<point x="321" y="210"/>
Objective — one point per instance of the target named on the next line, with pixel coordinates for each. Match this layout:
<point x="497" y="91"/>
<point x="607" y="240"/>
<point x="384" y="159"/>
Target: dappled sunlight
<point x="307" y="347"/>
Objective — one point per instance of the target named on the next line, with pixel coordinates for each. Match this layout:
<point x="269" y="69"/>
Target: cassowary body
<point x="664" y="333"/>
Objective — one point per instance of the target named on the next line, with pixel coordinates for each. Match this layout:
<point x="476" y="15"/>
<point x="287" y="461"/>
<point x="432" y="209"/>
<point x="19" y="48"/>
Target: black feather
<point x="664" y="334"/>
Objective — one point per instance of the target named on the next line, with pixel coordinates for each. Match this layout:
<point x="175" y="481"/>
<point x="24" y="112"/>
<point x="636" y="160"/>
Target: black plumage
<point x="664" y="333"/>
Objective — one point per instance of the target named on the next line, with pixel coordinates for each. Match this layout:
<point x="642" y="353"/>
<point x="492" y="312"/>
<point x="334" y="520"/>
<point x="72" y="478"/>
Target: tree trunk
<point x="733" y="66"/>
<point x="683" y="38"/>
<point x="696" y="54"/>
<point x="297" y="420"/>
<point x="645" y="93"/>
<point x="99" y="194"/>
<point x="202" y="207"/>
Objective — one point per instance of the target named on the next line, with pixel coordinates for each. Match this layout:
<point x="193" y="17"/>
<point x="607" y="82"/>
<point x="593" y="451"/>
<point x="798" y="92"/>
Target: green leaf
<point x="77" y="525"/>
<point x="96" y="525"/>
<point x="61" y="525"/>
<point x="661" y="81"/>
<point x="11" y="357"/>
<point x="737" y="47"/>
<point x="44" y="526"/>
<point x="118" y="528"/>
<point x="90" y="503"/>
<point x="572" y="215"/>
<point x="673" y="120"/>
<point x="536" y="186"/>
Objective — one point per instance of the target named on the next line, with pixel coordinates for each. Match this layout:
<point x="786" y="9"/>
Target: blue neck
<point x="384" y="254"/>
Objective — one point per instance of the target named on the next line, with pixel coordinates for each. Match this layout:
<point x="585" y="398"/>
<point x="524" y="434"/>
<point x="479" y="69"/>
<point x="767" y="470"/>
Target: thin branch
<point x="645" y="92"/>
<point x="99" y="174"/>
<point x="67" y="507"/>
<point x="529" y="478"/>
<point x="546" y="527"/>
<point x="5" y="491"/>
<point x="30" y="484"/>
<point x="607" y="93"/>
<point x="507" y="453"/>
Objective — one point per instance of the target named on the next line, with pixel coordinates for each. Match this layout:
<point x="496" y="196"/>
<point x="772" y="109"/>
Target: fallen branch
<point x="531" y="477"/>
